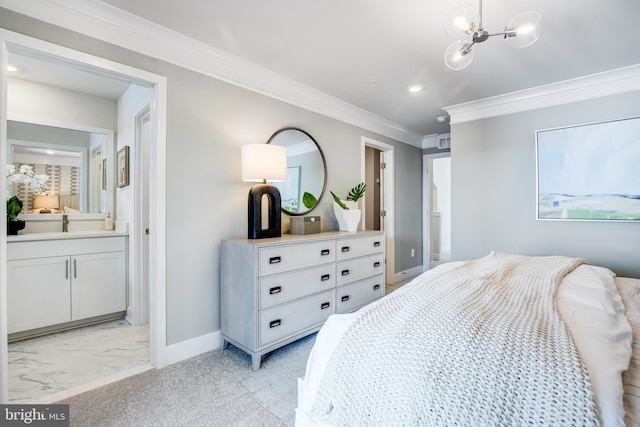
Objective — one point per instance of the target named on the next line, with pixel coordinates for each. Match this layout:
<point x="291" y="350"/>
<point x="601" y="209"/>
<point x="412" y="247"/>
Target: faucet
<point x="65" y="223"/>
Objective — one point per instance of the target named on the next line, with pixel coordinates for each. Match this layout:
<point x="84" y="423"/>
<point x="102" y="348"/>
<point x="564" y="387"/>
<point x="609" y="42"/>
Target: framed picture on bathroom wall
<point x="123" y="167"/>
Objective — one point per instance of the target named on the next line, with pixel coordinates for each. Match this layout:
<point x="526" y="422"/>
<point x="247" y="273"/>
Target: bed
<point x="502" y="340"/>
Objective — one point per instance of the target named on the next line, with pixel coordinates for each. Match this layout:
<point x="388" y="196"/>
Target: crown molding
<point x="112" y="25"/>
<point x="592" y="86"/>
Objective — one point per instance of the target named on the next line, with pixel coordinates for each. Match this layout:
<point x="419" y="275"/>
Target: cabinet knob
<point x="345" y="272"/>
<point x="325" y="277"/>
<point x="274" y="260"/>
<point x="376" y="244"/>
<point x="325" y="252"/>
<point x="345" y="249"/>
<point x="325" y="305"/>
<point x="345" y="298"/>
<point x="376" y="287"/>
<point x="376" y="264"/>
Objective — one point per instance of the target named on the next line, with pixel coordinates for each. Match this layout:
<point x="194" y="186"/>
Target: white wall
<point x="493" y="173"/>
<point x="55" y="106"/>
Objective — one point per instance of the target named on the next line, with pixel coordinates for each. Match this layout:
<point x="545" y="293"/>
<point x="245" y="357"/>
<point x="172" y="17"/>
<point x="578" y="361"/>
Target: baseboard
<point x="407" y="274"/>
<point x="193" y="347"/>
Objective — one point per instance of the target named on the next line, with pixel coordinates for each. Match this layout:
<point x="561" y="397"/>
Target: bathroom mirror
<point x="306" y="171"/>
<point x="75" y="161"/>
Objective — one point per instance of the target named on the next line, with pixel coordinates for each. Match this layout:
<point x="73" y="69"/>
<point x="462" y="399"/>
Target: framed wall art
<point x="123" y="167"/>
<point x="589" y="172"/>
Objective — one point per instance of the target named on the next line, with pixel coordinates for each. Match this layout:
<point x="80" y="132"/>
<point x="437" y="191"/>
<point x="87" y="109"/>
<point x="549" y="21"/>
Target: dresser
<point x="275" y="291"/>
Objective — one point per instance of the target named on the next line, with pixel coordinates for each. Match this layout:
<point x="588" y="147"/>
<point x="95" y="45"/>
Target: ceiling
<point x="368" y="52"/>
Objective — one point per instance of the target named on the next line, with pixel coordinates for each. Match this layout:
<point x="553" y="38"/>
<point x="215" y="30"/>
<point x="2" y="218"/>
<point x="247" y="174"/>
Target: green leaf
<point x="357" y="192"/>
<point x="14" y="206"/>
<point x="309" y="200"/>
<point x="338" y="201"/>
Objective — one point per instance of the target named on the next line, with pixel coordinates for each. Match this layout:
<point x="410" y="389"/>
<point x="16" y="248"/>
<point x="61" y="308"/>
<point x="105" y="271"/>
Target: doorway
<point x="16" y="44"/>
<point x="378" y="207"/>
<point x="437" y="200"/>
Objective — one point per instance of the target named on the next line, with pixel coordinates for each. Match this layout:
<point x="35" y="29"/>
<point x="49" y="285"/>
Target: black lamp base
<point x="255" y="212"/>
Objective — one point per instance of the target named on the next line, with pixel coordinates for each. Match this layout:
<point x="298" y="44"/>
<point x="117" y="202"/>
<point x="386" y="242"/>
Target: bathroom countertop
<point x="57" y="235"/>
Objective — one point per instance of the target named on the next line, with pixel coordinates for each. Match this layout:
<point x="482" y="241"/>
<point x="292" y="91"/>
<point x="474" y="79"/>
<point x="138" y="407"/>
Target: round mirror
<point x="306" y="171"/>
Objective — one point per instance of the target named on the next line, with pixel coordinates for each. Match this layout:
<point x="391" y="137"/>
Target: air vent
<point x="444" y="141"/>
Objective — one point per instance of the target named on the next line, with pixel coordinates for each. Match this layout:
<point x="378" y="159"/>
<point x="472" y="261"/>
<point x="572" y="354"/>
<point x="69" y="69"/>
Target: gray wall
<point x="207" y="122"/>
<point x="494" y="190"/>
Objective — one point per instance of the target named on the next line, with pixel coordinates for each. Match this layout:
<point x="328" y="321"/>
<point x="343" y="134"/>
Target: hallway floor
<point x="48" y="368"/>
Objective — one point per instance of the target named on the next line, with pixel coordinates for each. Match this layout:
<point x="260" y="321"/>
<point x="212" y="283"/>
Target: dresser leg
<point x="255" y="361"/>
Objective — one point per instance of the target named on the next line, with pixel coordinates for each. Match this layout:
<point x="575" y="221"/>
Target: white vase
<point x="348" y="219"/>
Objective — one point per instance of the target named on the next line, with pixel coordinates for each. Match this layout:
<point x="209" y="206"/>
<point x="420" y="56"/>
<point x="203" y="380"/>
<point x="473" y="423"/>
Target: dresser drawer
<point x="279" y="322"/>
<point x="355" y="295"/>
<point x="359" y="246"/>
<point x="359" y="268"/>
<point x="281" y="288"/>
<point x="280" y="259"/>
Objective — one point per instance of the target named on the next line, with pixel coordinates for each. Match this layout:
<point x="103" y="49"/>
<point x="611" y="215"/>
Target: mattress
<point x="594" y="310"/>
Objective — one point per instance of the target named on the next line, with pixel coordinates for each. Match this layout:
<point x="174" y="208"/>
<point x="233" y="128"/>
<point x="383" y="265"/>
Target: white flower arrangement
<point x="26" y="175"/>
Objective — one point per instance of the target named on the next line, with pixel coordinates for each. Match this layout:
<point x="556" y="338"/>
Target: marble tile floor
<point x="52" y="367"/>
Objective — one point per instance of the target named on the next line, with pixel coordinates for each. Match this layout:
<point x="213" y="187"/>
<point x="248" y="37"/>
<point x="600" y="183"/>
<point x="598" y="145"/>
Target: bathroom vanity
<point x="62" y="280"/>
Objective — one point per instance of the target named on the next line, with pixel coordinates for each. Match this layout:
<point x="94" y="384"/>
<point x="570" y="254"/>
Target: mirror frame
<point x="324" y="166"/>
<point x="110" y="149"/>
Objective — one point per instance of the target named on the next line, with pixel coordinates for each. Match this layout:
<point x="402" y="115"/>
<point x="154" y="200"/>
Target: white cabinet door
<point x="98" y="284"/>
<point x="38" y="293"/>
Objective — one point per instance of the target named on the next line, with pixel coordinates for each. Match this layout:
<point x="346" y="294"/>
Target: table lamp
<point x="262" y="163"/>
<point x="45" y="203"/>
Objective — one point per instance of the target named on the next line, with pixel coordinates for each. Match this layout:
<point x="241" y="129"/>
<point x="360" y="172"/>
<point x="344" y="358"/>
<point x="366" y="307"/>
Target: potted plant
<point x="346" y="211"/>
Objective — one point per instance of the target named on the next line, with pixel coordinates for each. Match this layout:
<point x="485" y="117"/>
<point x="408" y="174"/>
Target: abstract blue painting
<point x="589" y="172"/>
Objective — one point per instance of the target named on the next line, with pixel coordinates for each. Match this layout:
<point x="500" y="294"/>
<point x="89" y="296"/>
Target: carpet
<point x="217" y="388"/>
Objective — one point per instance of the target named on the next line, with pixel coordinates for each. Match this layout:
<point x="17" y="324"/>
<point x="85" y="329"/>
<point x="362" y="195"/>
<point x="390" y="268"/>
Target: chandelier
<point x="464" y="24"/>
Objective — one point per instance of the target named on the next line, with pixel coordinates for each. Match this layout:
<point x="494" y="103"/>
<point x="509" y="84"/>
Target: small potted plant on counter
<point x="25" y="175"/>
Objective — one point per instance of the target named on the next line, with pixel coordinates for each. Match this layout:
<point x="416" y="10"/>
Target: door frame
<point x="427" y="204"/>
<point x="11" y="41"/>
<point x="388" y="221"/>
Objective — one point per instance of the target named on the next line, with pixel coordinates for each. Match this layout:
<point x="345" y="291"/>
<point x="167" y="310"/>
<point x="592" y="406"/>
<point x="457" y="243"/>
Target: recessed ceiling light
<point x="11" y="68"/>
<point x="415" y="88"/>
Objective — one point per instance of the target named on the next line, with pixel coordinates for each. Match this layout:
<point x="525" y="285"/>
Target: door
<point x="98" y="284"/>
<point x="437" y="196"/>
<point x="39" y="287"/>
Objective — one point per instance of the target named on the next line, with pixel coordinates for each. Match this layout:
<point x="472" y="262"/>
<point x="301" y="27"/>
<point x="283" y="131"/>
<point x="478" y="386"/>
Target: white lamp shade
<point x="46" y="202"/>
<point x="264" y="162"/>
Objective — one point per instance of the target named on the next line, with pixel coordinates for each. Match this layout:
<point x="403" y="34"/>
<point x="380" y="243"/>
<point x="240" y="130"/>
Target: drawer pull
<point x="345" y="272"/>
<point x="376" y="244"/>
<point x="325" y="305"/>
<point x="275" y="323"/>
<point x="345" y="298"/>
<point x="345" y="249"/>
<point x="275" y="290"/>
<point x="274" y="260"/>
<point x="376" y="287"/>
<point x="376" y="264"/>
<point x="325" y="278"/>
<point x="325" y="252"/>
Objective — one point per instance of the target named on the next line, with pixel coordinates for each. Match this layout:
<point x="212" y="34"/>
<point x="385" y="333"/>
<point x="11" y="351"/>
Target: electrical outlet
<point x="413" y="253"/>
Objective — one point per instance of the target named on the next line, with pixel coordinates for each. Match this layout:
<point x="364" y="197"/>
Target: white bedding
<point x="588" y="301"/>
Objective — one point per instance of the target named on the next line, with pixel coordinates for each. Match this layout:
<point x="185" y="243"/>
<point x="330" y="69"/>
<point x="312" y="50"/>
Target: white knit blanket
<point x="480" y="345"/>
